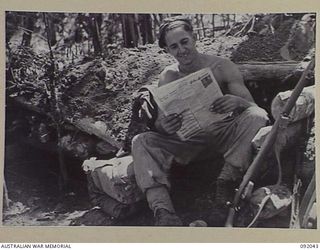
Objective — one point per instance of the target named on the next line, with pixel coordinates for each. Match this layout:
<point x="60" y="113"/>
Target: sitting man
<point x="155" y="151"/>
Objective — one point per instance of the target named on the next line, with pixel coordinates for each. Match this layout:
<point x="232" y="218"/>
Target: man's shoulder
<point x="217" y="61"/>
<point x="169" y="74"/>
<point x="173" y="68"/>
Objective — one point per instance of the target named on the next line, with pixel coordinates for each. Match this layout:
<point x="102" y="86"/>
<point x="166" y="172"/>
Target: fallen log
<point x="261" y="71"/>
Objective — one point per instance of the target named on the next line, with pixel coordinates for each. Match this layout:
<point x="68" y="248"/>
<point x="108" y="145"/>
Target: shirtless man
<point x="154" y="152"/>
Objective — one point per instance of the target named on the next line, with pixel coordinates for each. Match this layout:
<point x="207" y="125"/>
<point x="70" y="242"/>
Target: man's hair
<point x="171" y="23"/>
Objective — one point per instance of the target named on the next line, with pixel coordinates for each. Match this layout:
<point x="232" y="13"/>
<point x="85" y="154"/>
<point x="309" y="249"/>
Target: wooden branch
<point x="251" y="30"/>
<point x="234" y="25"/>
<point x="242" y="31"/>
<point x="217" y="28"/>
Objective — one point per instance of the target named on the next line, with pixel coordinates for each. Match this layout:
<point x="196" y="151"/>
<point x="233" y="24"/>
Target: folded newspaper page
<point x="191" y="96"/>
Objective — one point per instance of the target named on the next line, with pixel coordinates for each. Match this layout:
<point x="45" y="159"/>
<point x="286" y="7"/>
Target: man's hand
<point x="229" y="103"/>
<point x="170" y="124"/>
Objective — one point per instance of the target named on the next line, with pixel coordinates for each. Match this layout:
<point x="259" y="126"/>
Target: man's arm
<point x="238" y="97"/>
<point x="171" y="123"/>
<point x="234" y="80"/>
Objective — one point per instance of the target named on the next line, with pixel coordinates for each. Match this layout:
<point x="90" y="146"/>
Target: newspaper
<point x="191" y="96"/>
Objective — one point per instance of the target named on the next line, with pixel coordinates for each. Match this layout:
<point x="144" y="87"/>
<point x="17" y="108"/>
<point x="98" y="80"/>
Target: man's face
<point x="181" y="45"/>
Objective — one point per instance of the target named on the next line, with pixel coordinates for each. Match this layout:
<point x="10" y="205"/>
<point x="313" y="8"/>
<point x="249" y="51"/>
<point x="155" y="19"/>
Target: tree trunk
<point x="137" y="29"/>
<point x="52" y="30"/>
<point x="145" y="24"/>
<point x="223" y="20"/>
<point x="95" y="25"/>
<point x="55" y="103"/>
<point x="133" y="30"/>
<point x="161" y="17"/>
<point x="156" y="21"/>
<point x="156" y="25"/>
<point x="110" y="28"/>
<point x="198" y="25"/>
<point x="129" y="30"/>
<point x="202" y="25"/>
<point x="228" y="20"/>
<point x="124" y="30"/>
<point x="213" y="24"/>
<point x="28" y="30"/>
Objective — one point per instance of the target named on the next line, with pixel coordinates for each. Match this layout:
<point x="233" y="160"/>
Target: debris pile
<point x="277" y="37"/>
<point x="264" y="47"/>
<point x="310" y="147"/>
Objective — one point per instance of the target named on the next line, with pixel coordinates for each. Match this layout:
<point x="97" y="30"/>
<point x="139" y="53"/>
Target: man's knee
<point x="139" y="140"/>
<point x="143" y="139"/>
<point x="256" y="116"/>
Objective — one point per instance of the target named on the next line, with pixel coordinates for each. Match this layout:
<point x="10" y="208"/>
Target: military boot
<point x="224" y="194"/>
<point x="165" y="218"/>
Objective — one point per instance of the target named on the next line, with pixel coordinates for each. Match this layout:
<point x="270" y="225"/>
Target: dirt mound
<point x="277" y="37"/>
<point x="103" y="90"/>
<point x="264" y="47"/>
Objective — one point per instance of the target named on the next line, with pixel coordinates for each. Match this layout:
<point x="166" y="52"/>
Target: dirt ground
<point x="36" y="200"/>
<point x="32" y="182"/>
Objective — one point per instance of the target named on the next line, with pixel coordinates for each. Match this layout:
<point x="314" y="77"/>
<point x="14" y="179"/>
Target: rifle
<point x="269" y="141"/>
